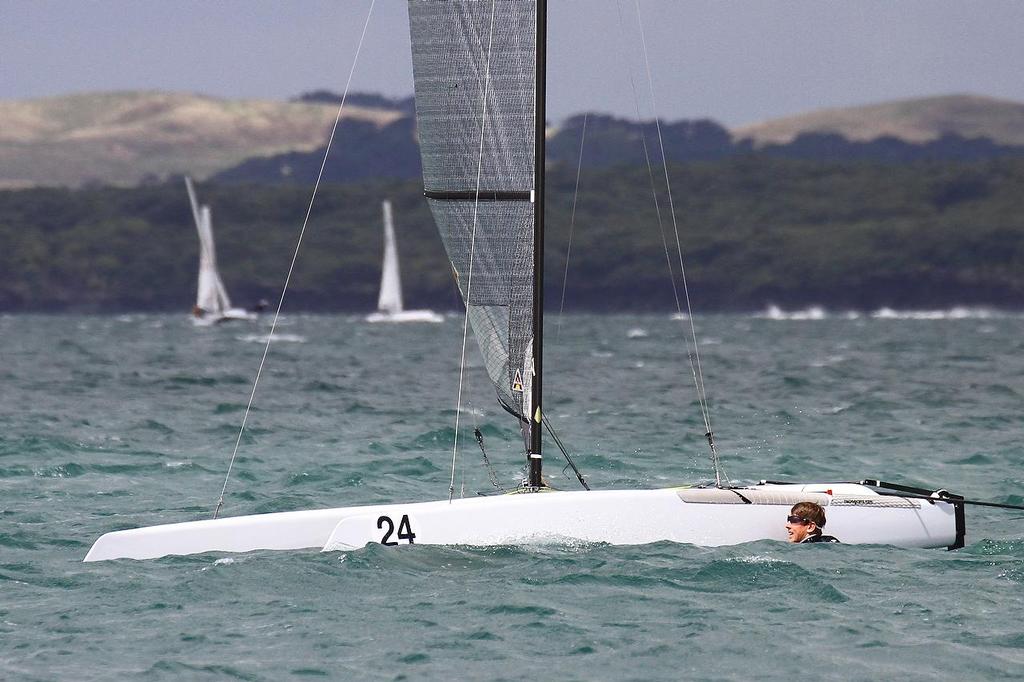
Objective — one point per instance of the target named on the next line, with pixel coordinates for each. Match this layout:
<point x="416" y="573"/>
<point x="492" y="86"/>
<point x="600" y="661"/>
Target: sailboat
<point x="480" y="88"/>
<point x="389" y="303"/>
<point x="212" y="302"/>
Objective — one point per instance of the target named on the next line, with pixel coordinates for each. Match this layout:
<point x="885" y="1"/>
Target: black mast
<point x="533" y="454"/>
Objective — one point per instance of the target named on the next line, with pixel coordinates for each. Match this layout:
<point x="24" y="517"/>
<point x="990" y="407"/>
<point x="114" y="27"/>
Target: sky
<point x="734" y="61"/>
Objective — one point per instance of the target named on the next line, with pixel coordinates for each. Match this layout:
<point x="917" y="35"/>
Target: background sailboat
<point x="389" y="303"/>
<point x="212" y="302"/>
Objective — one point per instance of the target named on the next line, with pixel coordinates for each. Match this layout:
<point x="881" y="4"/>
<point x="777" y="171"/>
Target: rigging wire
<point x="570" y="464"/>
<point x="698" y="372"/>
<point x="572" y="225"/>
<point x="690" y="352"/>
<point x="472" y="244"/>
<point x="491" y="473"/>
<point x="291" y="266"/>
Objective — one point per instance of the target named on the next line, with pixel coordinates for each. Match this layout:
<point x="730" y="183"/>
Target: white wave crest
<point x="956" y="313"/>
<point x="774" y="312"/>
<point x="278" y="338"/>
<point x="756" y="559"/>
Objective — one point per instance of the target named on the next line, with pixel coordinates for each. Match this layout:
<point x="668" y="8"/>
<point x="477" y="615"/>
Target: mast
<point x="534" y="453"/>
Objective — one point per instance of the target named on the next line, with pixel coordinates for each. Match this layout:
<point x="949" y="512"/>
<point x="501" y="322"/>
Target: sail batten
<point x="475" y="114"/>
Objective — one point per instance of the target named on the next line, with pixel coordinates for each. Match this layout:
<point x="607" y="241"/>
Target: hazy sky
<point x="737" y="62"/>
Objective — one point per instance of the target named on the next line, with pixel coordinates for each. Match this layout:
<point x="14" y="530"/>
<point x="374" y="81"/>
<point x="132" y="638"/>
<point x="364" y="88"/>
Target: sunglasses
<point x="798" y="519"/>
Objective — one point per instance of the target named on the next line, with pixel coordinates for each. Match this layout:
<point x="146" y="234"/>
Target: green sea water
<point x="116" y="422"/>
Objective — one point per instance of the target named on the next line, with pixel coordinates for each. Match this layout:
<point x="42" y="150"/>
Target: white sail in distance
<point x="211" y="295"/>
<point x="390" y="307"/>
<point x="212" y="302"/>
<point x="390" y="299"/>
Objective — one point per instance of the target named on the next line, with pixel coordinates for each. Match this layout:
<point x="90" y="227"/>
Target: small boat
<point x="212" y="303"/>
<point x="389" y="303"/>
<point x="480" y="89"/>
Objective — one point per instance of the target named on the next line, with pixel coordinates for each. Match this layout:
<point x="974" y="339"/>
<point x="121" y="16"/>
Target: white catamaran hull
<point x="700" y="516"/>
<point x="230" y="315"/>
<point x="405" y="316"/>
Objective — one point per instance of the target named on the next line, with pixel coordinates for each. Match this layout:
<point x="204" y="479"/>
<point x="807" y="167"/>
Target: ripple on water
<point x="30" y="445"/>
<point x="521" y="610"/>
<point x="178" y="670"/>
<point x="437" y="438"/>
<point x="321" y="386"/>
<point x="283" y="503"/>
<point x="987" y="548"/>
<point x="1001" y="390"/>
<point x="412" y="467"/>
<point x="759" y="572"/>
<point x="17" y="540"/>
<point x="978" y="459"/>
<point x="190" y="380"/>
<point x="68" y="470"/>
<point x="154" y="426"/>
<point x="16" y="471"/>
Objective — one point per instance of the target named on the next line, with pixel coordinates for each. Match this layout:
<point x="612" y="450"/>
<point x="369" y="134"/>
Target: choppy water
<point x="108" y="423"/>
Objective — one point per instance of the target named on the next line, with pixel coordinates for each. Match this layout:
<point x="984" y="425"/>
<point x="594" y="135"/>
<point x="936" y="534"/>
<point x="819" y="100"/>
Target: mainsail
<point x="390" y="300"/>
<point x="474" y="67"/>
<point x="211" y="296"/>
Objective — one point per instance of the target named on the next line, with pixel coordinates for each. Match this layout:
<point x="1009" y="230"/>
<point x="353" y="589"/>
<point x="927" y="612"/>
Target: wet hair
<point x="811" y="512"/>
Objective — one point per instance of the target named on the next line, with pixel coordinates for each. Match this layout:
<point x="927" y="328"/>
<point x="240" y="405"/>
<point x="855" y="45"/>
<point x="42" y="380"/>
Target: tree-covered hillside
<point x="755" y="230"/>
<point x="364" y="150"/>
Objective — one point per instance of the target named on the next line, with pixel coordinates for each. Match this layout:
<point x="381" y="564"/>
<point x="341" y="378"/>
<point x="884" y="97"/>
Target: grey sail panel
<point x="450" y="42"/>
<point x="474" y="71"/>
<point x="500" y="299"/>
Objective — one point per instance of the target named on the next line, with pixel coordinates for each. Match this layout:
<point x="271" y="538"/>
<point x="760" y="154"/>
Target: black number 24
<point x="404" y="530"/>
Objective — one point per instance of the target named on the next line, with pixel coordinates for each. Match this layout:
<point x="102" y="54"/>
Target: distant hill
<point x="406" y="105"/>
<point x="910" y="120"/>
<point x="124" y="138"/>
<point x="954" y="128"/>
<point x="364" y="151"/>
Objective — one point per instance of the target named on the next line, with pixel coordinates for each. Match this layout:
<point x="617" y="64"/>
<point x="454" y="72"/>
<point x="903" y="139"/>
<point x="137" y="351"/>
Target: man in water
<point x="804" y="523"/>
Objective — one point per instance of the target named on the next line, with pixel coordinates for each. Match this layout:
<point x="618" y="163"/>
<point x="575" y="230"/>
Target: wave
<point x="278" y="338"/>
<point x="774" y="312"/>
<point x="955" y="313"/>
